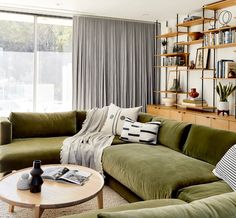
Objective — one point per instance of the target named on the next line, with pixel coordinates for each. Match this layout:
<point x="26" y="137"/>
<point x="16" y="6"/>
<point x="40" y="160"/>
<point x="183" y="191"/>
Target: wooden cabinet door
<point x="158" y="111"/>
<point x="219" y="123"/>
<point x="176" y="115"/>
<point x="203" y="120"/>
<point x="188" y="117"/>
<point x="232" y="126"/>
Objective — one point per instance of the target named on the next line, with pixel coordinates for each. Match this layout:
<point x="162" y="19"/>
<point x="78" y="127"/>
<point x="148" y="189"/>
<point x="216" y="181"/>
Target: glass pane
<point x="54" y="87"/>
<point x="16" y="63"/>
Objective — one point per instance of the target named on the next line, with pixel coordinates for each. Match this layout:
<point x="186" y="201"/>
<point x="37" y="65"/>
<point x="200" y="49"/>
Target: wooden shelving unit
<point x="219" y="29"/>
<point x="174" y="54"/>
<point x="214" y="78"/>
<point x="220" y="5"/>
<point x="221" y="45"/>
<point x="173" y="34"/>
<point x="170" y="66"/>
<point x="195" y="22"/>
<point x="194" y="42"/>
<point x="197" y="107"/>
<point x="171" y="92"/>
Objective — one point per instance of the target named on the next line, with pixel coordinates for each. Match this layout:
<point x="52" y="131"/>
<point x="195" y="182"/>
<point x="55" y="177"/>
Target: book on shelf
<point x="63" y="174"/>
<point x="197" y="102"/>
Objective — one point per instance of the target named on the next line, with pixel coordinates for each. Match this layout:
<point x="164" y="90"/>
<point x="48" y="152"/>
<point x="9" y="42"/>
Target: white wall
<point x="194" y="76"/>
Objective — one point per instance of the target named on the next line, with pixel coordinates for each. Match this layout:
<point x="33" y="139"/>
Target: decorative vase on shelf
<point x="193" y="93"/>
<point x="176" y="86"/>
<point x="36" y="181"/>
<point x="223" y="106"/>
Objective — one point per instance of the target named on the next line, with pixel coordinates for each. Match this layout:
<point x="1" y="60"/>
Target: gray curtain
<point x="112" y="63"/>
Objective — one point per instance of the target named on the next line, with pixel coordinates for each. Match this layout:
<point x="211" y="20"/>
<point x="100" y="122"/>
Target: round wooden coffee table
<point x="53" y="194"/>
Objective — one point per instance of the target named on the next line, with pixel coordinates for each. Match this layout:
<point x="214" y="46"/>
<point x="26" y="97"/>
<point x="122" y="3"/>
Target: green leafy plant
<point x="224" y="91"/>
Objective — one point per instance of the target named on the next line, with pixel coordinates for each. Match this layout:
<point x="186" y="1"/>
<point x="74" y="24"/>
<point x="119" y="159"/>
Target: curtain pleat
<point x="112" y="63"/>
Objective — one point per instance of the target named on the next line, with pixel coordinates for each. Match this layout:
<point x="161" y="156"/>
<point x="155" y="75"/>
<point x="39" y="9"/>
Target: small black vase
<point x="37" y="181"/>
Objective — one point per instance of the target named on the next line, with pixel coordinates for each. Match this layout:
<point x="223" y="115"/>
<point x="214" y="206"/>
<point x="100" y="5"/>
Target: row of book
<point x="221" y="37"/>
<point x="197" y="102"/>
<point x="224" y="67"/>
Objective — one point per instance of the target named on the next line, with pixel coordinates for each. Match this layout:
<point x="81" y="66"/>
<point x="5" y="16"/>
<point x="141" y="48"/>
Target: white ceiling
<point x="149" y="10"/>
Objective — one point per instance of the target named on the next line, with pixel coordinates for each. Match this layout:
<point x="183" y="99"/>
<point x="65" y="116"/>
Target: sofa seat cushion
<point x="133" y="206"/>
<point x="154" y="172"/>
<point x="220" y="206"/>
<point x="208" y="144"/>
<point x="29" y="124"/>
<point x="21" y="152"/>
<point x="198" y="192"/>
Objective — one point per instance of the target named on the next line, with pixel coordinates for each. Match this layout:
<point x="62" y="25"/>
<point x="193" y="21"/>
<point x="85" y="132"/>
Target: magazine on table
<point x="61" y="174"/>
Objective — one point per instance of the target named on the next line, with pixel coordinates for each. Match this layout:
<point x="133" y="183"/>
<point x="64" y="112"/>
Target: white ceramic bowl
<point x="169" y="101"/>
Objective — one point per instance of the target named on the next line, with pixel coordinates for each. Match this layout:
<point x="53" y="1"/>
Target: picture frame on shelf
<point x="202" y="58"/>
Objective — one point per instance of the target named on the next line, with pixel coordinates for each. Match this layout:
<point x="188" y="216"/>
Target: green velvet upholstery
<point x="208" y="144"/>
<point x="21" y="152"/>
<point x="80" y="118"/>
<point x="5" y="131"/>
<point x="27" y="125"/>
<point x="221" y="206"/>
<point x="144" y="117"/>
<point x="117" y="140"/>
<point x="154" y="172"/>
<point x="133" y="206"/>
<point x="177" y="130"/>
<point x="198" y="192"/>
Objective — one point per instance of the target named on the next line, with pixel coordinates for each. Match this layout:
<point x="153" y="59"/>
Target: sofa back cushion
<point x="80" y="118"/>
<point x="26" y="125"/>
<point x="208" y="144"/>
<point x="172" y="133"/>
<point x="144" y="117"/>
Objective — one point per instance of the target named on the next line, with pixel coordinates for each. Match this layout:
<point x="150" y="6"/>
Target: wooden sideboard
<point x="201" y="118"/>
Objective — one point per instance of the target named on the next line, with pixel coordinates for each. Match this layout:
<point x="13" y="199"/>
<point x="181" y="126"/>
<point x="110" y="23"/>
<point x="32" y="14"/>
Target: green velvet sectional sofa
<point x="178" y="170"/>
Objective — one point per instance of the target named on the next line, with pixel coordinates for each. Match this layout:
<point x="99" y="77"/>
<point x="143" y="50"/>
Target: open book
<point x="64" y="174"/>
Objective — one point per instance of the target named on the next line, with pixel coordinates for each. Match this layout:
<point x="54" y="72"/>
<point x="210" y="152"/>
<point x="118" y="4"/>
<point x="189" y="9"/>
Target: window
<point x="35" y="63"/>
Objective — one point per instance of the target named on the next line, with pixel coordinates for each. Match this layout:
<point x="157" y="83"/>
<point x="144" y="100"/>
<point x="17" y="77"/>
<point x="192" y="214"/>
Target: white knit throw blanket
<point x="86" y="147"/>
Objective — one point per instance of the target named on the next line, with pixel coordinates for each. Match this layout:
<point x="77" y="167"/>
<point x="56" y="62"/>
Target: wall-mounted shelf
<point x="173" y="34"/>
<point x="221" y="45"/>
<point x="214" y="78"/>
<point x="194" y="42"/>
<point x="171" y="66"/>
<point x="219" y="29"/>
<point x="220" y="5"/>
<point x="173" y="54"/>
<point x="195" y="22"/>
<point x="171" y="92"/>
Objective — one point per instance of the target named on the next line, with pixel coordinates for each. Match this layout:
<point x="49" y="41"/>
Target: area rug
<point x="110" y="197"/>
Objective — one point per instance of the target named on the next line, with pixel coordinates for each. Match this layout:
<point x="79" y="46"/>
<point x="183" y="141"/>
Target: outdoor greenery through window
<point x="35" y="63"/>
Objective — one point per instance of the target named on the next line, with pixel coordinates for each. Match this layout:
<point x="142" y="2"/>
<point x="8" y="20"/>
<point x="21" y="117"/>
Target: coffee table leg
<point x="38" y="211"/>
<point x="100" y="200"/>
<point x="11" y="208"/>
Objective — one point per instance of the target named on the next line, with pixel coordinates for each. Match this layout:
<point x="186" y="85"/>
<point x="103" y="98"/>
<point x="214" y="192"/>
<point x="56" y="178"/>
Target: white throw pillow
<point x="116" y="118"/>
<point x="140" y="132"/>
<point x="226" y="168"/>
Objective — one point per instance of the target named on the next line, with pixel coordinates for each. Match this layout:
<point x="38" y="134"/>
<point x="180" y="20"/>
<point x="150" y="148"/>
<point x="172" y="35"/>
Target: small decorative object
<point x="230" y="68"/>
<point x="189" y="18"/>
<point x="193" y="94"/>
<point x="164" y="43"/>
<point x="212" y="24"/>
<point x="169" y="101"/>
<point x="176" y="86"/>
<point x="36" y="181"/>
<point x="192" y="65"/>
<point x="195" y="35"/>
<point x="224" y="92"/>
<point x="24" y="182"/>
<point x="202" y="59"/>
<point x="224" y="18"/>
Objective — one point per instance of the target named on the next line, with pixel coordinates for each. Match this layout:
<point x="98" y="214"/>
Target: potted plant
<point x="224" y="91"/>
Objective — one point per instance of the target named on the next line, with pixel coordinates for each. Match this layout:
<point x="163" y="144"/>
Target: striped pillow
<point x="140" y="132"/>
<point x="226" y="168"/>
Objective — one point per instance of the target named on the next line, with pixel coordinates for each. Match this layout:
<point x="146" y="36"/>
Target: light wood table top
<point x="53" y="194"/>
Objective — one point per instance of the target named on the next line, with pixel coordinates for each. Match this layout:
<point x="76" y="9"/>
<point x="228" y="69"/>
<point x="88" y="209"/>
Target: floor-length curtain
<point x="112" y="62"/>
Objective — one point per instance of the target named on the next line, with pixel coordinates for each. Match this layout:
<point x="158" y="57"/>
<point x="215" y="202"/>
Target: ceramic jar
<point x="193" y="93"/>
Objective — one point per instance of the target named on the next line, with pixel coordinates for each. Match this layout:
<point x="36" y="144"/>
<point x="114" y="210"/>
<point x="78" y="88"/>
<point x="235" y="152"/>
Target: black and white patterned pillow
<point x="140" y="132"/>
<point x="226" y="168"/>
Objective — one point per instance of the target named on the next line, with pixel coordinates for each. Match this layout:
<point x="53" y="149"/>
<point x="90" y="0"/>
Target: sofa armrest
<point x="5" y="131"/>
